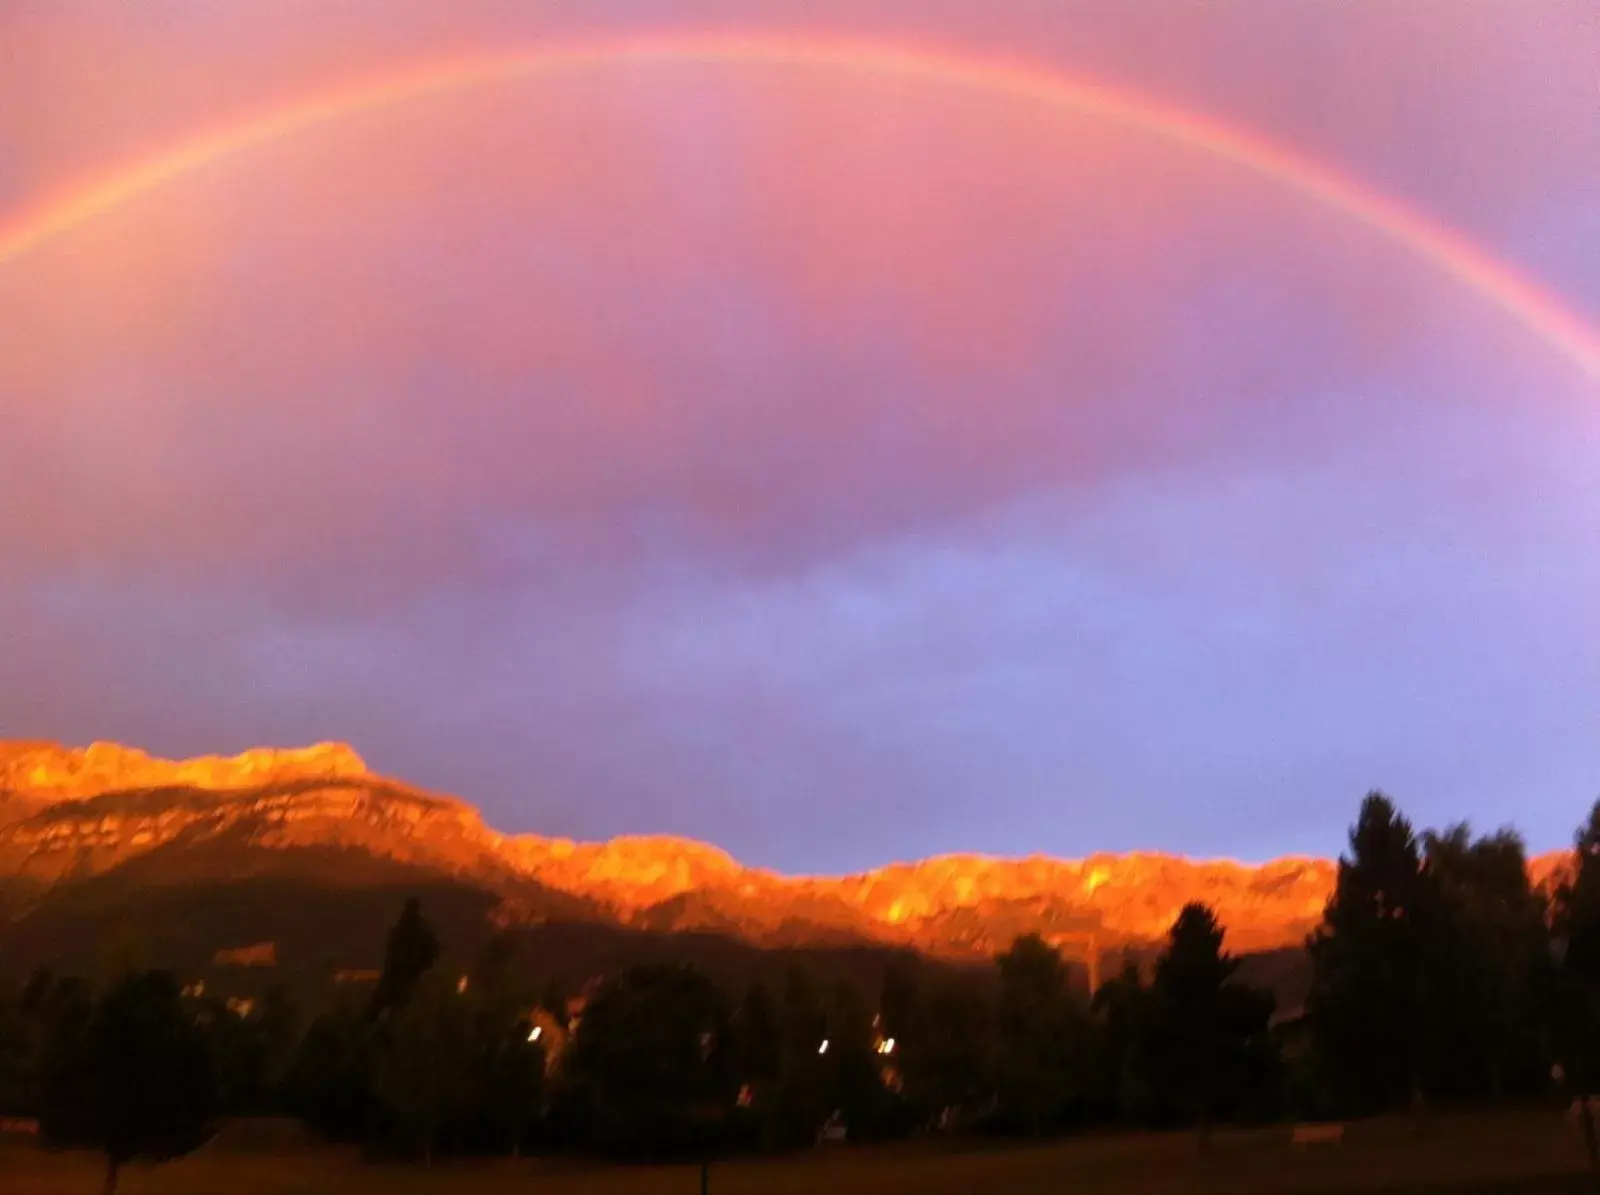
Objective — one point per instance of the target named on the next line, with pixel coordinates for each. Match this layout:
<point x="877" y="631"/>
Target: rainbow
<point x="1452" y="255"/>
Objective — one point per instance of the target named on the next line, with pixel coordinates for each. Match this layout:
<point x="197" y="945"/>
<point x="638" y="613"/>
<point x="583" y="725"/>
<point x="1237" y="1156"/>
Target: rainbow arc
<point x="1452" y="255"/>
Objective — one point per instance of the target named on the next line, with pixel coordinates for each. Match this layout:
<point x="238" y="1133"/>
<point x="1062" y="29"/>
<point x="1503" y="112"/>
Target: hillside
<point x="88" y="835"/>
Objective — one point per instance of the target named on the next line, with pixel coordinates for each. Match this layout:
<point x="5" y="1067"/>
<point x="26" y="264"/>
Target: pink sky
<point x="753" y="454"/>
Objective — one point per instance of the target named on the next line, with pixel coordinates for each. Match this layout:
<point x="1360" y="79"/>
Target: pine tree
<point x="1121" y="1066"/>
<point x="1200" y="1021"/>
<point x="412" y="948"/>
<point x="1367" y="998"/>
<point x="1486" y="952"/>
<point x="424" y="1064"/>
<point x="1577" y="994"/>
<point x="1041" y="1034"/>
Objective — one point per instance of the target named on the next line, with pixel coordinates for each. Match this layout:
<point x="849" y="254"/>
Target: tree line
<point x="1439" y="976"/>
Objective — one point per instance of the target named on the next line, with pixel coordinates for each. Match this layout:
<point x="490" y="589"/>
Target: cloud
<point x="357" y="349"/>
<point x="750" y="455"/>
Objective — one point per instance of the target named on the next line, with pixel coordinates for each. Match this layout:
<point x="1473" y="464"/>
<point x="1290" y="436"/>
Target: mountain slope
<point x="108" y="819"/>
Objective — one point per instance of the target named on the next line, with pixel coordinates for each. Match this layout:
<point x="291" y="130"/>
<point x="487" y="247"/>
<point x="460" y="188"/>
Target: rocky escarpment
<point x="40" y="773"/>
<point x="81" y="813"/>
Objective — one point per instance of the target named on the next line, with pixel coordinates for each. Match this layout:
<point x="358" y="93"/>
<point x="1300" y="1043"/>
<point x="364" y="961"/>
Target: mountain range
<point x="207" y="855"/>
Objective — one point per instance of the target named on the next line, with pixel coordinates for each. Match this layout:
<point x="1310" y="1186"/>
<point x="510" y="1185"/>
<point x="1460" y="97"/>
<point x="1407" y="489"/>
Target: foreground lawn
<point x="1521" y="1152"/>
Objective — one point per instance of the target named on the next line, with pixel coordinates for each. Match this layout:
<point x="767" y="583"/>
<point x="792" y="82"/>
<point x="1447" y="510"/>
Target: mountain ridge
<point x="67" y="814"/>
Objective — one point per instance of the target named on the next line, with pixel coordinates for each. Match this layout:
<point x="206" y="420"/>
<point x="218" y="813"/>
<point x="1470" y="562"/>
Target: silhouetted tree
<point x="804" y="1095"/>
<point x="1367" y="999"/>
<point x="36" y="990"/>
<point x="1485" y="954"/>
<point x="554" y="1000"/>
<point x="1201" y="1024"/>
<point x="14" y="1053"/>
<point x="494" y="971"/>
<point x="1576" y="998"/>
<point x="947" y="1053"/>
<point x="648" y="1067"/>
<point x="507" y="1066"/>
<point x="508" y="1081"/>
<point x="132" y="1079"/>
<point x="251" y="1049"/>
<point x="279" y="1026"/>
<point x="758" y="1048"/>
<point x="900" y="1001"/>
<point x="239" y="1056"/>
<point x="1041" y="1035"/>
<point x="851" y="1065"/>
<point x="424" y="1060"/>
<point x="411" y="950"/>
<point x="329" y="1084"/>
<point x="1121" y="1065"/>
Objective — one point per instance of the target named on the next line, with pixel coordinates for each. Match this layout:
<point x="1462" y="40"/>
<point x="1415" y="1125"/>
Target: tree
<point x="424" y="1062"/>
<point x="14" y="1055"/>
<point x="554" y="1000"/>
<point x="900" y="1001"/>
<point x="1200" y="1023"/>
<point x="508" y="1083"/>
<point x="1041" y="1033"/>
<point x="803" y="1090"/>
<point x="1367" y="999"/>
<point x="1485" y="955"/>
<point x="851" y="1066"/>
<point x="947" y="1053"/>
<point x="507" y="1067"/>
<point x="758" y="1048"/>
<point x="411" y="950"/>
<point x="132" y="1079"/>
<point x="59" y="1012"/>
<point x="1121" y="1045"/>
<point x="37" y="989"/>
<point x="240" y="1056"/>
<point x="1576" y="997"/>
<point x="649" y="1069"/>
<point x="495" y="971"/>
<point x="250" y="1049"/>
<point x="330" y="1082"/>
<point x="279" y="1028"/>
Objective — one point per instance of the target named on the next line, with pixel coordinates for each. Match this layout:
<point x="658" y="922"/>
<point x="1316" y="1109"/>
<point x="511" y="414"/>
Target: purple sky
<point x="834" y="469"/>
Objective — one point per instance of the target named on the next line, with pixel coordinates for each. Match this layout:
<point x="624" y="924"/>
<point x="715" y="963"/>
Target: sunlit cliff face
<point x="66" y="812"/>
<point x="48" y="771"/>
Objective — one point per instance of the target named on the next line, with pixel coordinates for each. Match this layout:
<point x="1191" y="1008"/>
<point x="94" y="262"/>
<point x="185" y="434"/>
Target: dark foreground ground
<point x="1522" y="1152"/>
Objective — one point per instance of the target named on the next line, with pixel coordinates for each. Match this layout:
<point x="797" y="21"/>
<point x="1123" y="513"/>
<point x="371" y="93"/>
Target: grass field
<point x="1523" y="1152"/>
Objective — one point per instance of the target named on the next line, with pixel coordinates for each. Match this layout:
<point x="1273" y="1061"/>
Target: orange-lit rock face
<point x="47" y="772"/>
<point x="76" y="813"/>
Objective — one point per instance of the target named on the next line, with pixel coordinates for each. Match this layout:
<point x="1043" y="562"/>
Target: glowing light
<point x="536" y="1033"/>
<point x="1447" y="251"/>
<point x="886" y="1046"/>
<point x="823" y="1048"/>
